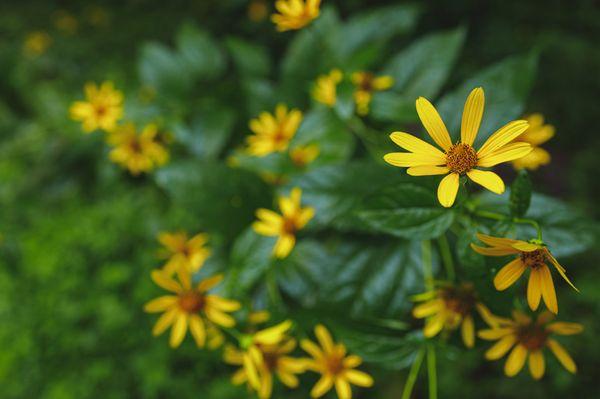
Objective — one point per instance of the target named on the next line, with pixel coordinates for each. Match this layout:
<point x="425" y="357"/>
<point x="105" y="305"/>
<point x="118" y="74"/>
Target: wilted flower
<point x="101" y="110"/>
<point x="325" y="88"/>
<point x="537" y="133"/>
<point x="303" y="155"/>
<point x="183" y="252"/>
<point x="137" y="152"/>
<point x="272" y="133"/>
<point x="295" y="14"/>
<point x="366" y="84"/>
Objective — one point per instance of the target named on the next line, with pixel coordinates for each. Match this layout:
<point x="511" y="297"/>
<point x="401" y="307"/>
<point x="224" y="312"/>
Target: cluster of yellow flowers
<point x="135" y="151"/>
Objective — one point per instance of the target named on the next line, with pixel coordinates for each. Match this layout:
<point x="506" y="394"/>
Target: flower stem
<point x="427" y="267"/>
<point x="273" y="289"/>
<point x="499" y="216"/>
<point x="446" y="257"/>
<point x="432" y="372"/>
<point x="412" y="375"/>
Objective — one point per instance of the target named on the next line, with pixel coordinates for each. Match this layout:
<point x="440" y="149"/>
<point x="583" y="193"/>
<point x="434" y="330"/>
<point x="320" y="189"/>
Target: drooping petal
<point x="515" y="361"/>
<point x="560" y="269"/>
<point x="496" y="241"/>
<point x="448" y="189"/>
<point x="536" y="364"/>
<point x="509" y="274"/>
<point x="427" y="170"/>
<point x="414" y="144"/>
<point x="526" y="246"/>
<point x="562" y="355"/>
<point x="487" y="179"/>
<point x="218" y="317"/>
<point x="251" y="371"/>
<point x="225" y="305"/>
<point x="433" y="123"/>
<point x="468" y="331"/>
<point x="472" y="114"/>
<point x="502" y="136"/>
<point x="500" y="348"/>
<point x="548" y="292"/>
<point x="499" y="251"/>
<point x="534" y="289"/>
<point x="507" y="153"/>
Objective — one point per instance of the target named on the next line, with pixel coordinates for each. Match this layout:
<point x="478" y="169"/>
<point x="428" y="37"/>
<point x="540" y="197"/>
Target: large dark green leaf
<point x="250" y="58"/>
<point x="199" y="52"/>
<point x="160" y="67"/>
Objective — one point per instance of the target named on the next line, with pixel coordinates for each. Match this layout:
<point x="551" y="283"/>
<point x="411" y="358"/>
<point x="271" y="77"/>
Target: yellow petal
<point x="409" y="159"/>
<point x="427" y="170"/>
<point x="163" y="281"/>
<point x="526" y="246"/>
<point x="383" y="82"/>
<point x="537" y="136"/>
<point x="343" y="388"/>
<point x="548" y="292"/>
<point x="225" y="305"/>
<point x="487" y="179"/>
<point x="269" y="217"/>
<point x="536" y="158"/>
<point x="468" y="331"/>
<point x="536" y="364"/>
<point x="352" y="361"/>
<point x="448" y="189"/>
<point x="560" y="269"/>
<point x="273" y="335"/>
<point x="251" y="371"/>
<point x="324" y="338"/>
<point x="434" y="325"/>
<point x="198" y="331"/>
<point x="265" y="229"/>
<point x="427" y="309"/>
<point x="239" y="377"/>
<point x="564" y="328"/>
<point x="515" y="361"/>
<point x="288" y="379"/>
<point x="312" y="349"/>
<point x="322" y="386"/>
<point x="284" y="246"/>
<point x="500" y="348"/>
<point x="209" y="283"/>
<point x="507" y="153"/>
<point x="502" y="136"/>
<point x="164" y="322"/>
<point x="433" y="123"/>
<point x="160" y="304"/>
<point x="534" y="289"/>
<point x="472" y="114"/>
<point x="220" y="318"/>
<point x="562" y="355"/>
<point x="496" y="241"/>
<point x="359" y="378"/>
<point x="178" y="331"/>
<point x="494" y="251"/>
<point x="493" y="334"/>
<point x="415" y="145"/>
<point x="509" y="274"/>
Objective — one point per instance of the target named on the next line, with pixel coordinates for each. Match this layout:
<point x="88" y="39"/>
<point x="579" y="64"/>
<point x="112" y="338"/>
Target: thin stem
<point x="427" y="267"/>
<point x="412" y="375"/>
<point x="531" y="222"/>
<point x="272" y="287"/>
<point x="499" y="216"/>
<point x="432" y="371"/>
<point x="446" y="257"/>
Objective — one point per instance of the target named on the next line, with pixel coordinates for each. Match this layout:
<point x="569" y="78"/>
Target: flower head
<point x="286" y="225"/>
<point x="36" y="43"/>
<point x="295" y="14"/>
<point x="325" y="88"/>
<point x="366" y="84"/>
<point x="529" y="338"/>
<point x="137" y="152"/>
<point x="273" y="133"/>
<point x="336" y="367"/>
<point x="303" y="155"/>
<point x="101" y="110"/>
<point x="459" y="158"/>
<point x="191" y="306"/>
<point x="537" y="133"/>
<point x="530" y="255"/>
<point x="183" y="252"/>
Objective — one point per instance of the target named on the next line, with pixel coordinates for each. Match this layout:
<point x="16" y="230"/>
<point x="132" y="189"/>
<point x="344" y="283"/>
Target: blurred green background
<point x="78" y="235"/>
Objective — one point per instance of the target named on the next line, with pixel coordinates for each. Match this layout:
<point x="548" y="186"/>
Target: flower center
<point x="533" y="259"/>
<point x="135" y="146"/>
<point x="289" y="226"/>
<point x="279" y="137"/>
<point x="366" y="82"/>
<point x="100" y="110"/>
<point x="532" y="337"/>
<point x="271" y="360"/>
<point x="461" y="158"/>
<point x="335" y="364"/>
<point x="459" y="300"/>
<point x="191" y="302"/>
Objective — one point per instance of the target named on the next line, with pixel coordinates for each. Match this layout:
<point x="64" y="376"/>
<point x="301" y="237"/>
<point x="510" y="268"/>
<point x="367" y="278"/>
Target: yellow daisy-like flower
<point x="36" y="43"/>
<point x="137" y="152"/>
<point x="272" y="133"/>
<point x="366" y="84"/>
<point x="460" y="158"/>
<point x="295" y="14"/>
<point x="183" y="252"/>
<point x="325" y="88"/>
<point x="532" y="256"/>
<point x="336" y="367"/>
<point x="529" y="339"/>
<point x="286" y="225"/>
<point x="537" y="133"/>
<point x="102" y="109"/>
<point x="449" y="307"/>
<point x="303" y="155"/>
<point x="190" y="307"/>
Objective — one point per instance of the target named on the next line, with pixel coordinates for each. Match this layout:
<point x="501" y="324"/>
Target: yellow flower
<point x="295" y="14"/>
<point x="257" y="10"/>
<point x="137" y="152"/>
<point x="65" y="21"/>
<point x="460" y="158"/>
<point x="366" y="84"/>
<point x="450" y="307"/>
<point x="101" y="110"/>
<point x="325" y="88"/>
<point x="183" y="252"/>
<point x="272" y="133"/>
<point x="36" y="43"/>
<point x="190" y="307"/>
<point x="285" y="226"/>
<point x="537" y="134"/>
<point x="303" y="155"/>
<point x="274" y="178"/>
<point x="532" y="256"/>
<point x="97" y="16"/>
<point x="335" y="366"/>
<point x="529" y="338"/>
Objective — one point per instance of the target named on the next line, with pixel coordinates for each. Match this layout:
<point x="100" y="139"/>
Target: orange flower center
<point x="460" y="299"/>
<point x="533" y="259"/>
<point x="101" y="110"/>
<point x="366" y="82"/>
<point x="532" y="336"/>
<point x="191" y="302"/>
<point x="461" y="158"/>
<point x="271" y="360"/>
<point x="335" y="364"/>
<point x="289" y="226"/>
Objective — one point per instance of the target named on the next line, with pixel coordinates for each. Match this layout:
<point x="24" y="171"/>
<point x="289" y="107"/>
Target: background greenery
<point x="78" y="234"/>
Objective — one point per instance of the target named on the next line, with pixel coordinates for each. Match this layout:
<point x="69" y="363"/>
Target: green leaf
<point x="159" y="67"/>
<point x="520" y="194"/>
<point x="391" y="106"/>
<point x="201" y="56"/>
<point x="249" y="58"/>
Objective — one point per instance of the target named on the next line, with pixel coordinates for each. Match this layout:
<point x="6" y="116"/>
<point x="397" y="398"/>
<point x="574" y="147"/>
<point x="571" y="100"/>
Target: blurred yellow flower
<point x="336" y="367"/>
<point x="532" y="256"/>
<point x="461" y="158"/>
<point x="325" y="88"/>
<point x="286" y="225"/>
<point x="295" y="14"/>
<point x="101" y="110"/>
<point x="97" y="16"/>
<point x="190" y="307"/>
<point x="366" y="84"/>
<point x="137" y="152"/>
<point x="272" y="133"/>
<point x="257" y="10"/>
<point x="303" y="155"/>
<point x="529" y="339"/>
<point x="449" y="307"/>
<point x="537" y="133"/>
<point x="65" y="22"/>
<point x="36" y="43"/>
<point x="183" y="252"/>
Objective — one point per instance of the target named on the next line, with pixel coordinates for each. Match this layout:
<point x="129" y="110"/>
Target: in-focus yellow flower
<point x="537" y="133"/>
<point x="532" y="256"/>
<point x="529" y="338"/>
<point x="325" y="88"/>
<point x="257" y="10"/>
<point x="286" y="225"/>
<point x="65" y="22"/>
<point x="366" y="84"/>
<point x="295" y="14"/>
<point x="449" y="307"/>
<point x="183" y="252"/>
<point x="303" y="155"/>
<point x="137" y="152"/>
<point x="460" y="158"/>
<point x="36" y="43"/>
<point x="101" y="110"/>
<point x="272" y="133"/>
<point x="336" y="367"/>
<point x="190" y="307"/>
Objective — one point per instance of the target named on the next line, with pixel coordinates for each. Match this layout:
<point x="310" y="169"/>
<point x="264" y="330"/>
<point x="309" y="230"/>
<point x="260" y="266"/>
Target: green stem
<point x="447" y="257"/>
<point x="412" y="375"/>
<point x="427" y="267"/>
<point x="272" y="287"/>
<point x="432" y="372"/>
<point x="499" y="216"/>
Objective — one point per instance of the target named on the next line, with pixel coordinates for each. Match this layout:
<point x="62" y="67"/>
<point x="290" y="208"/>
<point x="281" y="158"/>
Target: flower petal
<point x="468" y="331"/>
<point x="534" y="289"/>
<point x="564" y="328"/>
<point x="164" y="281"/>
<point x="500" y="348"/>
<point x="284" y="246"/>
<point x="324" y="338"/>
<point x="548" y="292"/>
<point x="427" y="309"/>
<point x="472" y="114"/>
<point x="164" y="322"/>
<point x="509" y="274"/>
<point x="448" y="189"/>
<point x="493" y="334"/>
<point x="515" y="361"/>
<point x="160" y="304"/>
<point x="198" y="331"/>
<point x="414" y="144"/>
<point x="536" y="364"/>
<point x="273" y="335"/>
<point x="342" y="387"/>
<point x="560" y="269"/>
<point x="178" y="331"/>
<point x="494" y="251"/>
<point x="502" y="136"/>
<point x="433" y="123"/>
<point x="322" y="386"/>
<point x="427" y="170"/>
<point x="409" y="159"/>
<point x="434" y="325"/>
<point x="487" y="179"/>
<point x="507" y="153"/>
<point x="209" y="283"/>
<point x="562" y="355"/>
